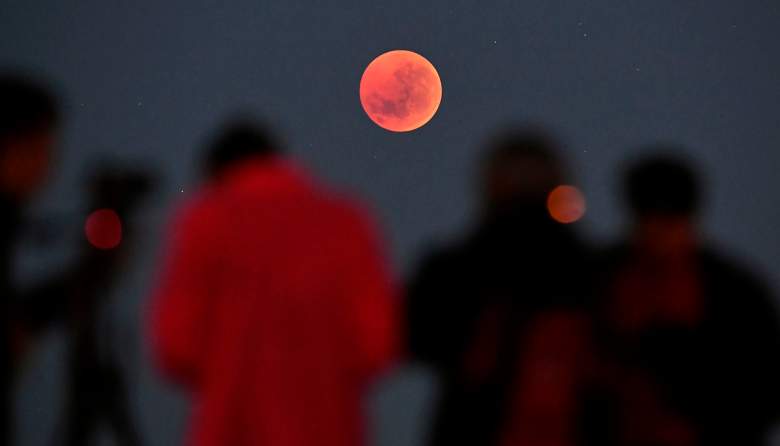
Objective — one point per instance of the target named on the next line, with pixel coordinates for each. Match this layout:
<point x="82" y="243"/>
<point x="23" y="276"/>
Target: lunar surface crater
<point x="400" y="91"/>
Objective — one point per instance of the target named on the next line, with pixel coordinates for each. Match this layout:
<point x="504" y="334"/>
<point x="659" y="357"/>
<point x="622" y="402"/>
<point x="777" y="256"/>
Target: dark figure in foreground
<point x="28" y="124"/>
<point x="96" y="389"/>
<point x="690" y="339"/>
<point x="501" y="316"/>
<point x="275" y="308"/>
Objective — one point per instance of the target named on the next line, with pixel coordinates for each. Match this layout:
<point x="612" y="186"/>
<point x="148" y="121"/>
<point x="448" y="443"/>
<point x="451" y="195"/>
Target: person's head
<point x="28" y="123"/>
<point x="520" y="169"/>
<point x="663" y="194"/>
<point x="239" y="141"/>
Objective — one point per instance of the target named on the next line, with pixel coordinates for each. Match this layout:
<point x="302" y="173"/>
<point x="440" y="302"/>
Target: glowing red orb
<point x="400" y="91"/>
<point x="103" y="229"/>
<point x="566" y="204"/>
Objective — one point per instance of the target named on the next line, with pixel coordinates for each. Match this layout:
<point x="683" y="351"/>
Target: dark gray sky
<point x="146" y="81"/>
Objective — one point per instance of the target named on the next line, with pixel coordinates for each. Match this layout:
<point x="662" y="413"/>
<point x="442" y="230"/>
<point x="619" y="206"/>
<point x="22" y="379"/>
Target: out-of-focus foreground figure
<point x="28" y="124"/>
<point x="275" y="308"/>
<point x="690" y="339"/>
<point x="97" y="393"/>
<point x="501" y="316"/>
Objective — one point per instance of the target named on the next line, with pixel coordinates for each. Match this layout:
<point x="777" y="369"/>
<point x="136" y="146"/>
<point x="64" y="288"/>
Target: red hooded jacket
<point x="275" y="310"/>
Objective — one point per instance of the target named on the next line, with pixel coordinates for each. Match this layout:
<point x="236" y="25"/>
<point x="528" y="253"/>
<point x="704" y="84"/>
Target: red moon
<point x="400" y="91"/>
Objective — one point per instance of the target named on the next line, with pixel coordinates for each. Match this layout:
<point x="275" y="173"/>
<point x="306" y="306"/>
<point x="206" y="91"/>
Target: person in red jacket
<point x="275" y="307"/>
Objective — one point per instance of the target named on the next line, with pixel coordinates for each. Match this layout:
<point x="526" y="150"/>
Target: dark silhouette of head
<point x="119" y="187"/>
<point x="520" y="169"/>
<point x="663" y="185"/>
<point x="663" y="193"/>
<point x="237" y="142"/>
<point x="28" y="122"/>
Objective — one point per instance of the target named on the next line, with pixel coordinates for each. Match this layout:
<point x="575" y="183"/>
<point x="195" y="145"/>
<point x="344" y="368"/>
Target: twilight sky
<point x="146" y="81"/>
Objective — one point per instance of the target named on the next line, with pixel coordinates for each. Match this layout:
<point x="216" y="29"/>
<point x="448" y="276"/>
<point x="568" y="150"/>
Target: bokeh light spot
<point x="566" y="204"/>
<point x="103" y="229"/>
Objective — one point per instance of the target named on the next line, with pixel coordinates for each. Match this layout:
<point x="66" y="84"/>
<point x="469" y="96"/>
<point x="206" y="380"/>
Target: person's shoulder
<point x="200" y="209"/>
<point x="739" y="294"/>
<point x="729" y="270"/>
<point x="444" y="252"/>
<point x="347" y="210"/>
<point x="442" y="258"/>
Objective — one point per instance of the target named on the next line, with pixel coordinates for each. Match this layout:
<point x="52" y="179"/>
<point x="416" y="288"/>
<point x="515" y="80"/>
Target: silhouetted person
<point x="500" y="316"/>
<point x="96" y="393"/>
<point x="28" y="124"/>
<point x="28" y="127"/>
<point x="690" y="339"/>
<point x="275" y="307"/>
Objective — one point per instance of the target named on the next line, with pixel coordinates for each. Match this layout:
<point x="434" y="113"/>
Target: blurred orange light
<point x="103" y="229"/>
<point x="566" y="204"/>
